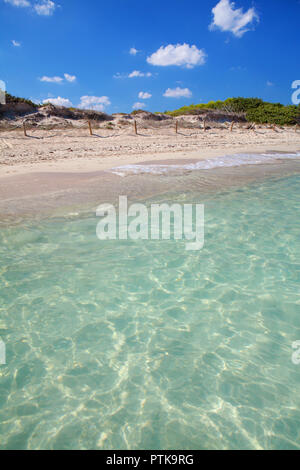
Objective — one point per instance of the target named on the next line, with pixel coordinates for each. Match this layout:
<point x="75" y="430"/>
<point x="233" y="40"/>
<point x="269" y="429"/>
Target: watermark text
<point x="157" y="222"/>
<point x="296" y="353"/>
<point x="296" y="94"/>
<point x="2" y="353"/>
<point x="2" y="92"/>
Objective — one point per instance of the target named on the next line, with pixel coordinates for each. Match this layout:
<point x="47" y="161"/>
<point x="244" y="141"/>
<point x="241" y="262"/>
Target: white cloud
<point x="16" y="43"/>
<point x="179" y="54"/>
<point x="45" y="7"/>
<point x="51" y="79"/>
<point x="97" y="103"/>
<point x="70" y="78"/>
<point x="227" y="18"/>
<point x="178" y="93"/>
<point x="138" y="105"/>
<point x="133" y="51"/>
<point x="41" y="7"/>
<point x="137" y="73"/>
<point x="59" y="102"/>
<point x="270" y="83"/>
<point x="238" y="68"/>
<point x="143" y="95"/>
<point x="18" y="3"/>
<point x="134" y="74"/>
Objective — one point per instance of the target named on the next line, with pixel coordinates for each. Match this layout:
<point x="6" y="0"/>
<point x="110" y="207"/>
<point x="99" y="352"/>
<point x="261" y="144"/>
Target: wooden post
<point x="90" y="127"/>
<point x="135" y="127"/>
<point x="204" y="124"/>
<point x="273" y="127"/>
<point x="231" y="127"/>
<point x="24" y="128"/>
<point x="176" y="127"/>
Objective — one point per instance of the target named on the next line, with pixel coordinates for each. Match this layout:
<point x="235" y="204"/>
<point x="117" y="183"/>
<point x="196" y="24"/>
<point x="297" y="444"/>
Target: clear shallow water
<point x="143" y="345"/>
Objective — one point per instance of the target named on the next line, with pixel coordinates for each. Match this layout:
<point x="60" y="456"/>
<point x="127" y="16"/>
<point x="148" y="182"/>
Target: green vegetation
<point x="254" y="109"/>
<point x="251" y="109"/>
<point x="137" y="111"/>
<point x="15" y="100"/>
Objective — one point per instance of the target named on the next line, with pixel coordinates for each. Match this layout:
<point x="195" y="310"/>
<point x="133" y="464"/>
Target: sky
<point x="154" y="55"/>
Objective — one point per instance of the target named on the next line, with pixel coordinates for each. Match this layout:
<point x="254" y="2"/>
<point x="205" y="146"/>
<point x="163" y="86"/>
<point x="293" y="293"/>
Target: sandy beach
<point x="75" y="150"/>
<point x="63" y="165"/>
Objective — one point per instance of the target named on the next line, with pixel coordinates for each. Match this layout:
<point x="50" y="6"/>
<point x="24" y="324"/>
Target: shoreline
<point x="50" y="195"/>
<point x="74" y="151"/>
<point x="21" y="180"/>
<point x="52" y="183"/>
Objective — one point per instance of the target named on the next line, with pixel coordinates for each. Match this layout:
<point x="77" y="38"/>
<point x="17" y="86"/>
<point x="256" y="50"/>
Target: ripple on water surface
<point x="143" y="345"/>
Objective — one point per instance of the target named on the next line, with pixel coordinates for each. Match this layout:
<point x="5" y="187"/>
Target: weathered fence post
<point x="176" y="127"/>
<point x="231" y="127"/>
<point x="90" y="127"/>
<point x="135" y="127"/>
<point x="24" y="128"/>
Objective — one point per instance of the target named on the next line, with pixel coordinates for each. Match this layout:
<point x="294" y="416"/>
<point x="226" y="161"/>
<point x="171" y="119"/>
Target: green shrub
<point x="255" y="110"/>
<point x="15" y="100"/>
<point x="137" y="111"/>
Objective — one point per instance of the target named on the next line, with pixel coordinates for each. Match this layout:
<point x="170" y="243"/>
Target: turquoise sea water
<point x="144" y="345"/>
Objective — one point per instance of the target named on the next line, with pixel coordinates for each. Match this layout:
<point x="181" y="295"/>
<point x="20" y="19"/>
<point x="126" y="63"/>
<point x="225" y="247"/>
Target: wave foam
<point x="219" y="162"/>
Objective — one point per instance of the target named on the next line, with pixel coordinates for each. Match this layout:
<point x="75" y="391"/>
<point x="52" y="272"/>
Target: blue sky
<point x="160" y="55"/>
